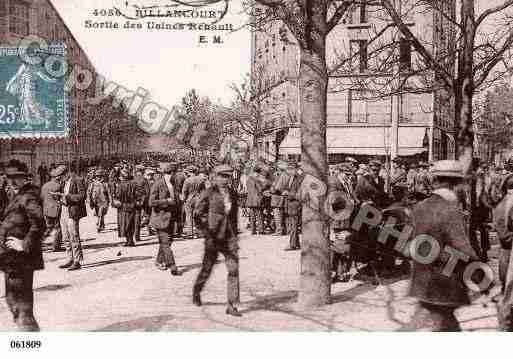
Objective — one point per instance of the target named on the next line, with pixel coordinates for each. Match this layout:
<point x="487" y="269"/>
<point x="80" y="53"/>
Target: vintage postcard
<point x="255" y="165"/>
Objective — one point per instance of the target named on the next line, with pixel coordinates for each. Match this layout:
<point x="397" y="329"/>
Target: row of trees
<point x="480" y="37"/>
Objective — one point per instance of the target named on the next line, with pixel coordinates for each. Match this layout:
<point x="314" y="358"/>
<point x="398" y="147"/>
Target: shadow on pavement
<point x="146" y="324"/>
<point x="188" y="267"/>
<point x="52" y="287"/>
<point x="116" y="261"/>
<point x="102" y="245"/>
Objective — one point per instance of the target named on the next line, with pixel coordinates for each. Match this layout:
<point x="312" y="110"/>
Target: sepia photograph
<point x="285" y="166"/>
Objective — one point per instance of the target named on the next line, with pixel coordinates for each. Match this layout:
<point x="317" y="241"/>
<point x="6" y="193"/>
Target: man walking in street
<point x="143" y="189"/>
<point x="278" y="200"/>
<point x="99" y="198"/>
<point x="21" y="235"/>
<point x="125" y="200"/>
<point x="440" y="217"/>
<point x="52" y="206"/>
<point x="187" y="197"/>
<point x="163" y="202"/>
<point x="256" y="185"/>
<point x="503" y="220"/>
<point x="72" y="210"/>
<point x="217" y="217"/>
<point x="292" y="194"/>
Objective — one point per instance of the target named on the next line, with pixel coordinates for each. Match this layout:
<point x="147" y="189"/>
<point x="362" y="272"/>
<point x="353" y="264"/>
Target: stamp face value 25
<point x="33" y="101"/>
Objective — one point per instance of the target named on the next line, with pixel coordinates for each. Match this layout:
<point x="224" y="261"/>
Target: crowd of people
<point x="175" y="198"/>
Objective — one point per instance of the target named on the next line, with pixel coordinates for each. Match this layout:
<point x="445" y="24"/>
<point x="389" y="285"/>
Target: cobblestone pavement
<point x="119" y="289"/>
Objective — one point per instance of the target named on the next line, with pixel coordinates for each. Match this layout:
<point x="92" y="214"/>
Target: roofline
<point x="71" y="33"/>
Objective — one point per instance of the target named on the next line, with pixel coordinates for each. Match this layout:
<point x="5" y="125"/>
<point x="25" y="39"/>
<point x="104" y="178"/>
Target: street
<point x="120" y="289"/>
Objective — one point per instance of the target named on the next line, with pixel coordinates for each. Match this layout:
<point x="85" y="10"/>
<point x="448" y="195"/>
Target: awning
<point x="360" y="141"/>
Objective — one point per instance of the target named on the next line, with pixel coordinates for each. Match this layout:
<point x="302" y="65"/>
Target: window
<point x="357" y="106"/>
<point x="358" y="14"/>
<point x="363" y="12"/>
<point x="19" y="18"/>
<point x="359" y="56"/>
<point x="404" y="55"/>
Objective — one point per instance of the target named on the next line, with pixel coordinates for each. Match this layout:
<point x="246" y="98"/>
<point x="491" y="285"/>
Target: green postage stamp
<point x="33" y="103"/>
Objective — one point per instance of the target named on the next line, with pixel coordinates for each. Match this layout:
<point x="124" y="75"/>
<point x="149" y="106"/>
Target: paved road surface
<point x="119" y="289"/>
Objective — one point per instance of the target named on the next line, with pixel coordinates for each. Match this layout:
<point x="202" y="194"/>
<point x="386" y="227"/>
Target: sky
<point x="167" y="63"/>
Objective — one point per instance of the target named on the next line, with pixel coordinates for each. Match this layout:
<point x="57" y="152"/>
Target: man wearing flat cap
<point x="163" y="202"/>
<point x="52" y="205"/>
<point x="21" y="234"/>
<point x="73" y="208"/>
<point x="278" y="200"/>
<point x="370" y="186"/>
<point x="503" y="221"/>
<point x="292" y="193"/>
<point x="99" y="198"/>
<point x="440" y="217"/>
<point x="143" y="189"/>
<point x="216" y="216"/>
<point x="178" y="181"/>
<point x="125" y="199"/>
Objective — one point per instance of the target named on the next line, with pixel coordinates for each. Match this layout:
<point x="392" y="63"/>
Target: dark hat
<point x="350" y="160"/>
<point x="345" y="167"/>
<point x="505" y="182"/>
<point x="124" y="173"/>
<point x="396" y="160"/>
<point x="168" y="167"/>
<point x="226" y="170"/>
<point x="293" y="164"/>
<point x="58" y="171"/>
<point x="15" y="172"/>
<point x="447" y="168"/>
<point x="375" y="163"/>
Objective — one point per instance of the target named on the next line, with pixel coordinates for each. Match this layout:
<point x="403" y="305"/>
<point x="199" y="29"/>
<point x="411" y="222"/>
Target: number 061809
<point x="26" y="344"/>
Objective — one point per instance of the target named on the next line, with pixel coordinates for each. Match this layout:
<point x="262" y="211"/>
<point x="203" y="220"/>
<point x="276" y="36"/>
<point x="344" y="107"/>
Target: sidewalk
<point x="120" y="289"/>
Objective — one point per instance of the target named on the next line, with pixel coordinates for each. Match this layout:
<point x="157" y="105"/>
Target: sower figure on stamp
<point x="163" y="202"/>
<point x="21" y="235"/>
<point x="216" y="216"/>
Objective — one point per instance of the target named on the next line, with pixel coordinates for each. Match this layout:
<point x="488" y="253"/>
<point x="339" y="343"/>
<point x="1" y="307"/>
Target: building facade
<point x="375" y="106"/>
<point x="95" y="130"/>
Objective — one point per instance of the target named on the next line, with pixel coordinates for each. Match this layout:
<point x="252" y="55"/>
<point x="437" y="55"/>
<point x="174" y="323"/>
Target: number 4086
<point x="8" y="114"/>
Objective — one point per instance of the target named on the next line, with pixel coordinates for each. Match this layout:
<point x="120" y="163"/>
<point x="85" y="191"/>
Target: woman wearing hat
<point x="21" y="235"/>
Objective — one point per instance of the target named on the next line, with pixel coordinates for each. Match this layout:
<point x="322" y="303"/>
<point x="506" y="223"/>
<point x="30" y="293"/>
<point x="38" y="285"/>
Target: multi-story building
<point x="94" y="130"/>
<point x="375" y="107"/>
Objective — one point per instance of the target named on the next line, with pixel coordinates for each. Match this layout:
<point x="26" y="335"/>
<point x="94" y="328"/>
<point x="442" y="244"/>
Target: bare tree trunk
<point x="464" y="88"/>
<point x="315" y="284"/>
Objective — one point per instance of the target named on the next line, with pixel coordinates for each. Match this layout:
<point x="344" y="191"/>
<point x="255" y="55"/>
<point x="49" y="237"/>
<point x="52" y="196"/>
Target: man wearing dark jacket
<point x="72" y="210"/>
<point x="143" y="189"/>
<point x="21" y="235"/>
<point x="440" y="217"/>
<point x="163" y="202"/>
<point x="292" y="194"/>
<point x="256" y="184"/>
<point x="52" y="206"/>
<point x="217" y="217"/>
